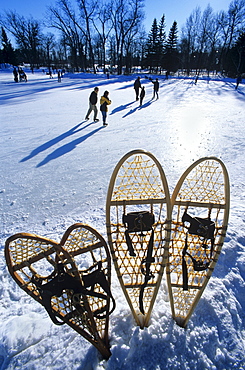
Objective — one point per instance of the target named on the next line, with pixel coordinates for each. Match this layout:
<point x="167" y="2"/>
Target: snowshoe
<point x="71" y="279"/>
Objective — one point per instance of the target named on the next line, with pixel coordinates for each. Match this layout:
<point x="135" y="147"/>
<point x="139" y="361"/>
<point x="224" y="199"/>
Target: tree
<point x="131" y="50"/>
<point x="103" y="26"/>
<point x="161" y="40"/>
<point x="152" y="47"/>
<point x="231" y="24"/>
<point x="236" y="20"/>
<point x="48" y="47"/>
<point x="171" y="52"/>
<point x="203" y="46"/>
<point x="236" y="57"/>
<point x="190" y="39"/>
<point x="88" y="10"/>
<point x="213" y="42"/>
<point x="155" y="45"/>
<point x="73" y="34"/>
<point x="27" y="33"/>
<point x="126" y="19"/>
<point x="7" y="53"/>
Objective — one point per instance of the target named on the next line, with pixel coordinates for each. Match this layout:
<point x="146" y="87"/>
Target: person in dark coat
<point x="137" y="86"/>
<point x="22" y="75"/>
<point x="92" y="104"/>
<point x="142" y="95"/>
<point x="15" y="73"/>
<point x="155" y="88"/>
<point x="104" y="101"/>
<point x="238" y="81"/>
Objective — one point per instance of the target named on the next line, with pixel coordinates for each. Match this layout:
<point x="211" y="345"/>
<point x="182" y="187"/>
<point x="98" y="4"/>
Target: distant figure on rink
<point x="238" y="81"/>
<point x="104" y="101"/>
<point x="92" y="104"/>
<point x="107" y="73"/>
<point x="155" y="88"/>
<point x="142" y="95"/>
<point x="59" y="76"/>
<point x="15" y="73"/>
<point x="137" y="86"/>
<point x="22" y="75"/>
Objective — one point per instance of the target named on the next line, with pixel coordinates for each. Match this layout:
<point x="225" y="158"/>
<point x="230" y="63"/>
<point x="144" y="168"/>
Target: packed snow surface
<point x="55" y="171"/>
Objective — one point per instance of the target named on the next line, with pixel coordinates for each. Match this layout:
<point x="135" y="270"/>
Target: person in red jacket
<point x="92" y="104"/>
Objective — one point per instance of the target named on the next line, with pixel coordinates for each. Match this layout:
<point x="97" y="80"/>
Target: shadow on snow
<point x="138" y="108"/>
<point x="65" y="148"/>
<point x="54" y="141"/>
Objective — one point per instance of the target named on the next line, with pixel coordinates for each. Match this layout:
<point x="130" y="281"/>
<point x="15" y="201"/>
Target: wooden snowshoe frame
<point x="137" y="184"/>
<point x="203" y="190"/>
<point x="81" y="248"/>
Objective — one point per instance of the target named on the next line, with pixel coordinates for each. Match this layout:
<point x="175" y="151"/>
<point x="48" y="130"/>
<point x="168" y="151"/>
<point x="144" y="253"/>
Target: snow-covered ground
<point x="55" y="170"/>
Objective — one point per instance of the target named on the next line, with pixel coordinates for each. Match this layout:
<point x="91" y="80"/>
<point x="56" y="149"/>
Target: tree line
<point x="110" y="34"/>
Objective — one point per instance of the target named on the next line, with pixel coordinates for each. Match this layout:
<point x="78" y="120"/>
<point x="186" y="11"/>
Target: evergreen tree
<point x="151" y="46"/>
<point x="155" y="44"/>
<point x="7" y="53"/>
<point x="235" y="62"/>
<point x="161" y="40"/>
<point x="161" y="30"/>
<point x="171" y="52"/>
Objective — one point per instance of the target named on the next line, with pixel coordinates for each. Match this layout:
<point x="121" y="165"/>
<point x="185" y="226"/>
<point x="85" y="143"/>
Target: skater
<point x="238" y="81"/>
<point x="50" y="73"/>
<point x="92" y="104"/>
<point x="22" y="75"/>
<point x="107" y="73"/>
<point x="137" y="86"/>
<point x="155" y="88"/>
<point x="15" y="73"/>
<point x="104" y="101"/>
<point x="59" y="76"/>
<point x="142" y="95"/>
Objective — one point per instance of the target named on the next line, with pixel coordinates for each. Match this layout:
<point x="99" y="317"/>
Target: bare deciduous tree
<point x="88" y="10"/>
<point x="102" y="24"/>
<point x="63" y="18"/>
<point x="27" y="33"/>
<point x="126" y="17"/>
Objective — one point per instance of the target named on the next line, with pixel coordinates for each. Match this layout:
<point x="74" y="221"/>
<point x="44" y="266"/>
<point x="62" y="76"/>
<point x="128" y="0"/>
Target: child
<point x="142" y="95"/>
<point x="104" y="101"/>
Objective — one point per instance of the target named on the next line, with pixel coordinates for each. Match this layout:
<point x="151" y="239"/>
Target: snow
<point x="55" y="171"/>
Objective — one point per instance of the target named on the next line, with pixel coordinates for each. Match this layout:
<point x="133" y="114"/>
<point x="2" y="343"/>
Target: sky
<point x="178" y="10"/>
<point x="174" y="10"/>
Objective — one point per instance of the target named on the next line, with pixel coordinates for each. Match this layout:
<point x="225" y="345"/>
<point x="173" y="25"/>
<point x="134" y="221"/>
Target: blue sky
<point x="178" y="10"/>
